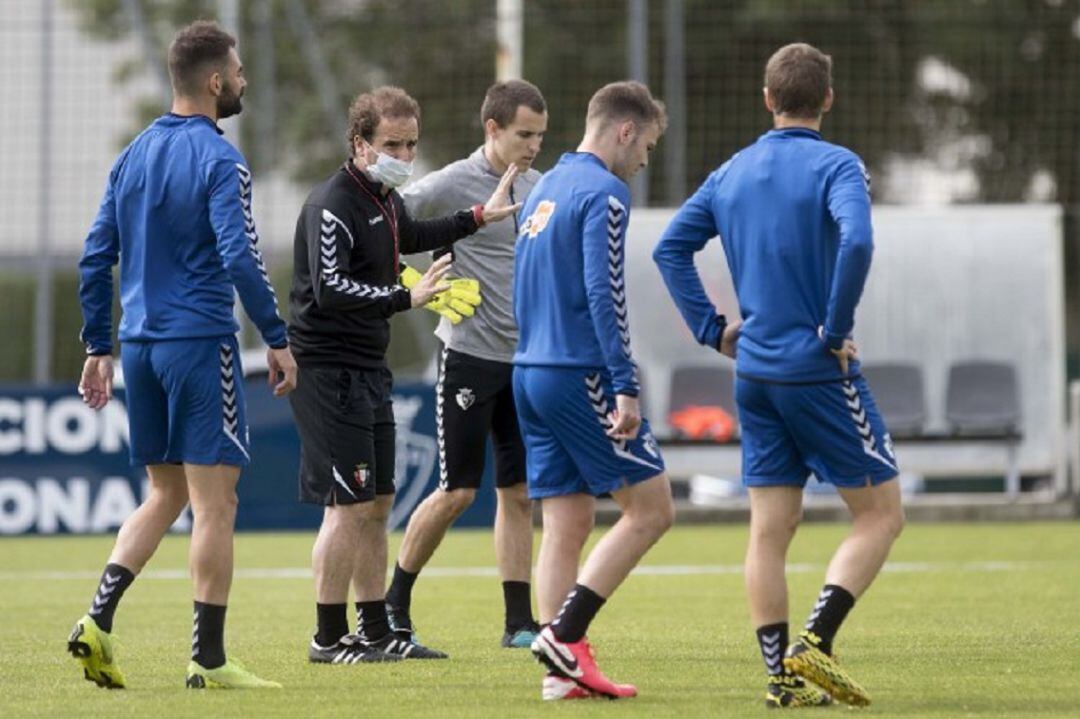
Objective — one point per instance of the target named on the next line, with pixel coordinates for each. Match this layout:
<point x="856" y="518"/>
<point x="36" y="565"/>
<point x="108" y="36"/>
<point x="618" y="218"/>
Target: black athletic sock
<point x="208" y="635"/>
<point x="577" y="613"/>
<point x="400" y="592"/>
<point x="832" y="606"/>
<point x="114" y="581"/>
<point x="371" y="621"/>
<point x="516" y="595"/>
<point x="333" y="623"/>
<point x="773" y="640"/>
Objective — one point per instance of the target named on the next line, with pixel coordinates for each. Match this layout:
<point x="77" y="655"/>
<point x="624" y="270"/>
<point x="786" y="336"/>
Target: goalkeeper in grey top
<point x="474" y="394"/>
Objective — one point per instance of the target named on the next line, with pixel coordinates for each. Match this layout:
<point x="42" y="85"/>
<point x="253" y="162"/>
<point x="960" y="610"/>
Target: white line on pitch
<point x="646" y="570"/>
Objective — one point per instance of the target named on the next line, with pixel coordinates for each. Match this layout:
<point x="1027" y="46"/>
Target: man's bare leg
<point x="513" y="533"/>
<point x="513" y="554"/>
<point x="428" y="525"/>
<point x="369" y="556"/>
<point x="333" y="558"/>
<point x="568" y="520"/>
<point x="141" y="533"/>
<point x="212" y="491"/>
<point x="775" y="513"/>
<point x="138" y="539"/>
<point x="136" y="542"/>
<point x="647" y="512"/>
<point x="369" y="583"/>
<point x="878" y="519"/>
<point x="424" y="533"/>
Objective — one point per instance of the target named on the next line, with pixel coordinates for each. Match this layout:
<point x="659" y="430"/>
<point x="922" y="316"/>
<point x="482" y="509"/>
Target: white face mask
<point x="390" y="171"/>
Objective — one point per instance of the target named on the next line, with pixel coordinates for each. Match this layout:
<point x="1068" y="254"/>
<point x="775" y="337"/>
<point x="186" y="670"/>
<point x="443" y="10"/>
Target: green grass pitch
<point x="967" y="620"/>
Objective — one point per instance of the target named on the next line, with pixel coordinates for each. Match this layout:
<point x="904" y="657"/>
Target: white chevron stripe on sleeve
<point x="244" y="176"/>
<point x="615" y="227"/>
<point x="328" y="262"/>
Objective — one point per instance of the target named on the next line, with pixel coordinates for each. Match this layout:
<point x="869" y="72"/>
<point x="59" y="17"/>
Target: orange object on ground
<point x="701" y="422"/>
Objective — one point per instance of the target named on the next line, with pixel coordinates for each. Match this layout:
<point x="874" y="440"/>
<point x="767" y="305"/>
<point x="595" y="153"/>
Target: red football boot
<point x="576" y="661"/>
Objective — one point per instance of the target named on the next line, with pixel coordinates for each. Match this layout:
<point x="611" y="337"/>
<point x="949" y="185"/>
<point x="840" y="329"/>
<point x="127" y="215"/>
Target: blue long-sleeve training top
<point x="177" y="216"/>
<point x="793" y="214"/>
<point x="569" y="290"/>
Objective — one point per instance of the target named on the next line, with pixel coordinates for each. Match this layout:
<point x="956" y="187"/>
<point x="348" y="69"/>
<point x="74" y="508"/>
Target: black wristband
<point x="721" y="322"/>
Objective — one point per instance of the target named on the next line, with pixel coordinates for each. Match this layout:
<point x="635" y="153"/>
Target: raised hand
<point x="498" y="206"/>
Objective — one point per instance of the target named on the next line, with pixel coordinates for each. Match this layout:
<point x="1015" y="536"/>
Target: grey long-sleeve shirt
<point x="488" y="256"/>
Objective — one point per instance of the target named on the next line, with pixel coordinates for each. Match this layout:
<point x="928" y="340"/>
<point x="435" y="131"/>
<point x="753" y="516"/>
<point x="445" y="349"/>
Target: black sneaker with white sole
<point x="350" y="649"/>
<point x="397" y="647"/>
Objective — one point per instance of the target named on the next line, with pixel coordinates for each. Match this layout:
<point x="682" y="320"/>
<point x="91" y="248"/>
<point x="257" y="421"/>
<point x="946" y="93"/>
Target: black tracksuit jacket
<point x="346" y="266"/>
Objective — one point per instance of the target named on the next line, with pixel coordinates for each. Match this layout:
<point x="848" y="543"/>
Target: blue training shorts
<point x="185" y="402"/>
<point x="563" y="414"/>
<point x="831" y="429"/>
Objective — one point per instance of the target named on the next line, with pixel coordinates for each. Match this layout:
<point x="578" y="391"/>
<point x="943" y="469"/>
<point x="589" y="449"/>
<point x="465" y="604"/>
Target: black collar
<point x="204" y="118"/>
<point x="376" y="188"/>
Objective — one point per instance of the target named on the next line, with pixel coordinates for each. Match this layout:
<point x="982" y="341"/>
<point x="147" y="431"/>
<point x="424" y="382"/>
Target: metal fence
<point x="947" y="101"/>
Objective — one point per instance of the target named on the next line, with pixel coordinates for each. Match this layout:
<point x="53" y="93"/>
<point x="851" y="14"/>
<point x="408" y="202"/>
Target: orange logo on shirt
<point x="538" y="220"/>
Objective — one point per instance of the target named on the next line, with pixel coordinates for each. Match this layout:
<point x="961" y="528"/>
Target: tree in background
<point x="442" y="53"/>
<point x="1011" y="119"/>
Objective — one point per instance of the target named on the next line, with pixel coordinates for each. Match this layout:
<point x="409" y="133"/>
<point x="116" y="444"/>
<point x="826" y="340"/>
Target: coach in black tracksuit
<point x="351" y="233"/>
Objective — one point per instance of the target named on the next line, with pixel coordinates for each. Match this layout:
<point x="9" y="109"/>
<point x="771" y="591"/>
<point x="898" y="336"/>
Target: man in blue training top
<point x="793" y="214"/>
<point x="177" y="217"/>
<point x="576" y="385"/>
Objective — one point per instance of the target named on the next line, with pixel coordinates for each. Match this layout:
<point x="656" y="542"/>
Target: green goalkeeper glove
<point x="456" y="303"/>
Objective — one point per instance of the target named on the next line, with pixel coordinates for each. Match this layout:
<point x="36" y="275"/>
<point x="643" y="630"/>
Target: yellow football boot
<point x="230" y="675"/>
<point x="95" y="650"/>
<point x="804" y="658"/>
<point x="788" y="692"/>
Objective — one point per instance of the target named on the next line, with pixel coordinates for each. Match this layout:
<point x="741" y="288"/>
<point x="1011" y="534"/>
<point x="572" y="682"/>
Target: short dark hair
<point x="627" y="100"/>
<point x="504" y="98"/>
<point x="196" y="46"/>
<point x="369" y="108"/>
<point x="798" y="77"/>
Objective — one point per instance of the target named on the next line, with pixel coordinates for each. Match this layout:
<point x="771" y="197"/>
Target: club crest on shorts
<point x="649" y="443"/>
<point x="360" y="475"/>
<point x="538" y="220"/>
<point x="465" y="398"/>
<point x="889" y="451"/>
